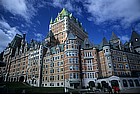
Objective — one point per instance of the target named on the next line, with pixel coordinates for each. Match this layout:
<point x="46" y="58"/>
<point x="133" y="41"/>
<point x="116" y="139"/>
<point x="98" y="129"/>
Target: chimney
<point x="24" y="36"/>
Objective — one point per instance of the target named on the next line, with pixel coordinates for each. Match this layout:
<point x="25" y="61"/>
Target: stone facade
<point x="66" y="58"/>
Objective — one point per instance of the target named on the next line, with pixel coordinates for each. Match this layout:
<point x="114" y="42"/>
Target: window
<point x="71" y="76"/>
<point x="61" y="76"/>
<point x="109" y="65"/>
<point x="136" y="39"/>
<point x="126" y="66"/>
<point x="52" y="65"/>
<point x="52" y="71"/>
<point x="74" y="75"/>
<point x="90" y="54"/>
<point x="71" y="67"/>
<point x="57" y="77"/>
<point x="51" y="84"/>
<point x="61" y="56"/>
<point x="125" y="83"/>
<point x="124" y="59"/>
<point x="70" y="60"/>
<point x="136" y="82"/>
<point x="131" y="83"/>
<point x="106" y="50"/>
<point x="51" y="77"/>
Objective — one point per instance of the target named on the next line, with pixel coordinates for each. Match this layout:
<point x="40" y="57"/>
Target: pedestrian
<point x="114" y="88"/>
<point x="109" y="89"/>
<point x="117" y="89"/>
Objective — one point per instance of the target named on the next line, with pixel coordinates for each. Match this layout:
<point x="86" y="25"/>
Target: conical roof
<point x="135" y="35"/>
<point x="113" y="36"/>
<point x="104" y="42"/>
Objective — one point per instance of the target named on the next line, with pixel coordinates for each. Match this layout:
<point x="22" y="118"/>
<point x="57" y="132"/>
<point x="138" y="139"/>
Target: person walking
<point x="117" y="89"/>
<point x="114" y="88"/>
<point x="109" y="89"/>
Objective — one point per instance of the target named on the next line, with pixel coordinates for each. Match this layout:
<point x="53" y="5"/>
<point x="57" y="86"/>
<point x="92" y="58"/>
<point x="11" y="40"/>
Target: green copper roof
<point x="64" y="12"/>
<point x="54" y="48"/>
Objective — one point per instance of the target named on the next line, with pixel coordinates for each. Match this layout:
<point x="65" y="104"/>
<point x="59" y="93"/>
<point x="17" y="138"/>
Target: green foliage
<point x="17" y="87"/>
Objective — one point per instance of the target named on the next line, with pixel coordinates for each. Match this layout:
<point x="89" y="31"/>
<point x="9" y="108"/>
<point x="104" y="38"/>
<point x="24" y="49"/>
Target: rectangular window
<point x="51" y="71"/>
<point x="74" y="75"/>
<point x="51" y="77"/>
<point x="61" y="76"/>
<point x="71" y="76"/>
<point x="109" y="65"/>
<point x="71" y="67"/>
<point x="126" y="66"/>
<point x="57" y="77"/>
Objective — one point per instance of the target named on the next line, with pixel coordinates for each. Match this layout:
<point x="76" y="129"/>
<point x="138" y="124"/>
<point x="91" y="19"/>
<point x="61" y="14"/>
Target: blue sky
<point x="98" y="17"/>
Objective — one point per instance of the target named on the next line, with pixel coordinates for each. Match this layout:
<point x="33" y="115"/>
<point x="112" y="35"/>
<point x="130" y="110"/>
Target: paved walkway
<point x="132" y="90"/>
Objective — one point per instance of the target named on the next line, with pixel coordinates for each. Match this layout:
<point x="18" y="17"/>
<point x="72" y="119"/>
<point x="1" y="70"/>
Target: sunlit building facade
<point x="66" y="58"/>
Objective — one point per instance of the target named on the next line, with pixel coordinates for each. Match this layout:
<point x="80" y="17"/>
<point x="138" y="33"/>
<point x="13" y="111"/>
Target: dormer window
<point x="136" y="39"/>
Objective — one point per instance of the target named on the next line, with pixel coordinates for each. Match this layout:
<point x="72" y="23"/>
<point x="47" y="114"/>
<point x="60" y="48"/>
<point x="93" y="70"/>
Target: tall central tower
<point x="61" y="64"/>
<point x="60" y="27"/>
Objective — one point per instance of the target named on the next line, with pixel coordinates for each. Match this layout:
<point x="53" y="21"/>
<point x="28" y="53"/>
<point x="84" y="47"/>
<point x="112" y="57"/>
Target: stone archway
<point x="21" y="79"/>
<point x="114" y="83"/>
<point x="104" y="83"/>
<point x="91" y="84"/>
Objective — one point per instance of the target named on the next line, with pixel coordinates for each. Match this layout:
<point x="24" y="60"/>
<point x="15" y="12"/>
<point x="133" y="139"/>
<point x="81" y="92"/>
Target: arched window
<point x="125" y="83"/>
<point x="137" y="82"/>
<point x="114" y="83"/>
<point x="91" y="84"/>
<point x="131" y="83"/>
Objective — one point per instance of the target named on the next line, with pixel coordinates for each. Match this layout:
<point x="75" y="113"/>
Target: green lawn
<point x="17" y="87"/>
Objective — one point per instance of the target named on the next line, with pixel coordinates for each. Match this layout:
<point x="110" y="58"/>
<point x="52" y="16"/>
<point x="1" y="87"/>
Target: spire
<point x="64" y="12"/>
<point x="113" y="36"/>
<point x="51" y="21"/>
<point x="104" y="42"/>
<point x="135" y="35"/>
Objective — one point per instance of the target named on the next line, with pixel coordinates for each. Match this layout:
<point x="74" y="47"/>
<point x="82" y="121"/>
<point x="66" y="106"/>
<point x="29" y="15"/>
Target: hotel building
<point x="66" y="58"/>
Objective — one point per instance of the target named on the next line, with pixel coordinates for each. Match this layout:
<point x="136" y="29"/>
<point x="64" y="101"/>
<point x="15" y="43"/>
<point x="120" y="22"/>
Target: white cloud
<point x="137" y="28"/>
<point x="101" y="11"/>
<point x="19" y="7"/>
<point x="124" y="38"/>
<point x="7" y="33"/>
<point x="127" y="11"/>
<point x="68" y="4"/>
<point x="38" y="36"/>
<point x="26" y="9"/>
